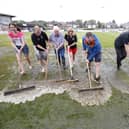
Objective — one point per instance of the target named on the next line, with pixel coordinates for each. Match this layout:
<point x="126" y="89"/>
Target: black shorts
<point x="25" y="50"/>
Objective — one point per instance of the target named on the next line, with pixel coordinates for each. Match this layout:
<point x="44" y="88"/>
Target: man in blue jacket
<point x="92" y="49"/>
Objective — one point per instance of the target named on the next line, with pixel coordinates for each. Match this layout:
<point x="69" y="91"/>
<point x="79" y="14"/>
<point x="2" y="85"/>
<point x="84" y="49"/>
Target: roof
<point x="7" y="15"/>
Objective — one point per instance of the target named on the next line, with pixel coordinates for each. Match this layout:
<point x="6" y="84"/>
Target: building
<point x="5" y="19"/>
<point x="111" y="25"/>
<point x="125" y="25"/>
<point x="91" y="24"/>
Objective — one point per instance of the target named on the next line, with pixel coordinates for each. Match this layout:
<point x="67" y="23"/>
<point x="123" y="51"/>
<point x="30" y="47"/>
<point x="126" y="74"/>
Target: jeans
<point x="61" y="56"/>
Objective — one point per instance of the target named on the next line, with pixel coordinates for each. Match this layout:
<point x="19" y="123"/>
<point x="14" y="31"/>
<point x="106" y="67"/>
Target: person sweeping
<point x="19" y="45"/>
<point x="57" y="40"/>
<point x="71" y="39"/>
<point x="40" y="40"/>
<point x="92" y="49"/>
<point x="121" y="45"/>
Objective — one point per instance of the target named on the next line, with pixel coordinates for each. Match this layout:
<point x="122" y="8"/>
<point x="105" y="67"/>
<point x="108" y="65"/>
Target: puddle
<point x="110" y="77"/>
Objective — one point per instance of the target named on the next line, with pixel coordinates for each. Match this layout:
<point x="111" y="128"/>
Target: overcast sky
<point x="67" y="10"/>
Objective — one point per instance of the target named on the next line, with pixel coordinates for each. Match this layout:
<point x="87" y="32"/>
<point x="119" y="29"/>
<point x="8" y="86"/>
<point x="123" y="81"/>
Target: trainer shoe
<point x="97" y="79"/>
<point x="43" y="70"/>
<point x="22" y="72"/>
<point x="30" y="67"/>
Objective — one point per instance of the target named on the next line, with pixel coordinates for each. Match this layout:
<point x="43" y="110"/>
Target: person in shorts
<point x="92" y="49"/>
<point x="40" y="40"/>
<point x="19" y="45"/>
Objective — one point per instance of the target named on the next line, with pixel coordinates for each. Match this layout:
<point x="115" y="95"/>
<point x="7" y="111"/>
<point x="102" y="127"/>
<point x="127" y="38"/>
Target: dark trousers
<point x="121" y="54"/>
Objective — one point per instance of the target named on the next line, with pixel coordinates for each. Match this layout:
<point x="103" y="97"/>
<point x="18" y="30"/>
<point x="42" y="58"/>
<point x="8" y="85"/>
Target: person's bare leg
<point x="71" y="58"/>
<point x="28" y="60"/>
<point x="20" y="64"/>
<point x="74" y="58"/>
<point x="97" y="67"/>
<point x="43" y="64"/>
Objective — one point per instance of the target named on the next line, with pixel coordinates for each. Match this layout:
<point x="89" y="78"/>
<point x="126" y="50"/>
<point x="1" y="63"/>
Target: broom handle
<point x="71" y="72"/>
<point x="46" y="73"/>
<point x="58" y="64"/>
<point x="89" y="75"/>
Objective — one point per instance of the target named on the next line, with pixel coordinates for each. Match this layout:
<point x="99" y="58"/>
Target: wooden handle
<point x="89" y="75"/>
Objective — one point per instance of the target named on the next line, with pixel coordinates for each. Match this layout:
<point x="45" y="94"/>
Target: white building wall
<point x="4" y="21"/>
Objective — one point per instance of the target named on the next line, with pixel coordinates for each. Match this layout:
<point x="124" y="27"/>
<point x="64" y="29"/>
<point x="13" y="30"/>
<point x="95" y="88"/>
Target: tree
<point x="114" y="24"/>
<point x="79" y="22"/>
<point x="100" y="25"/>
<point x="19" y="22"/>
<point x="85" y="24"/>
<point x="92" y="22"/>
<point x="113" y="21"/>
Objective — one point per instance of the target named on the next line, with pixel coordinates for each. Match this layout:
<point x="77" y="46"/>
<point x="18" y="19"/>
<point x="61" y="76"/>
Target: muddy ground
<point x="10" y="79"/>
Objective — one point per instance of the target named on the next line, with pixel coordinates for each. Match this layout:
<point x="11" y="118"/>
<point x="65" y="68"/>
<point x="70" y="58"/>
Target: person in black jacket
<point x="122" y="47"/>
<point x="40" y="39"/>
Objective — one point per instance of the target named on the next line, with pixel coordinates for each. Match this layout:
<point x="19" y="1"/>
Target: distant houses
<point x="111" y="25"/>
<point x="91" y="26"/>
<point x="125" y="25"/>
<point x="5" y="19"/>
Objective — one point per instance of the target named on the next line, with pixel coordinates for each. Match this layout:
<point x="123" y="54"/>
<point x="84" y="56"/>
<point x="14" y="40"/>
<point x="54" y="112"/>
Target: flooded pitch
<point x="110" y="78"/>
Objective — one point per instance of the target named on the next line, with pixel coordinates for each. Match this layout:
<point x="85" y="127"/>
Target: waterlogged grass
<point x="7" y="75"/>
<point x="106" y="38"/>
<point x="123" y="76"/>
<point x="5" y="41"/>
<point x="60" y="112"/>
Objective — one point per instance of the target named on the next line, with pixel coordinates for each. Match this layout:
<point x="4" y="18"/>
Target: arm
<point x="126" y="44"/>
<point x="61" y="45"/>
<point x="12" y="42"/>
<point x="84" y="47"/>
<point x="23" y="43"/>
<point x="14" y="46"/>
<point x="75" y="42"/>
<point x="39" y="46"/>
<point x="127" y="49"/>
<point x="35" y="42"/>
<point x="46" y="41"/>
<point x="50" y="42"/>
<point x="62" y="42"/>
